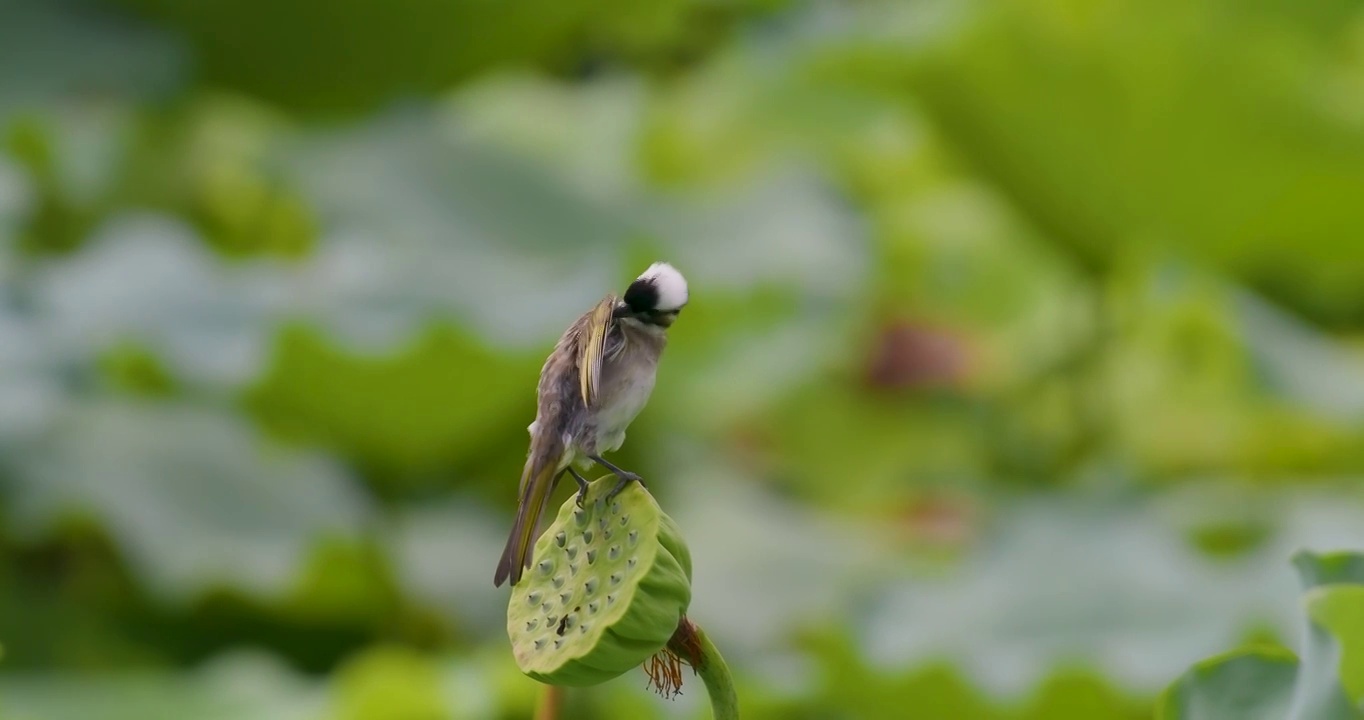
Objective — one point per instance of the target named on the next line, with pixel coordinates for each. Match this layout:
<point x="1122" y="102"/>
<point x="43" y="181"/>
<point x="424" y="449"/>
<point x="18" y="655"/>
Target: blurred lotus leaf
<point x="1327" y="683"/>
<point x="390" y="683"/>
<point x="1031" y="330"/>
<point x="193" y="497"/>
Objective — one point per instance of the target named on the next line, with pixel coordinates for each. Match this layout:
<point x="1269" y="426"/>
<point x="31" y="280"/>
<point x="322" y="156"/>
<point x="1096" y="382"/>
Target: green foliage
<point x="398" y="416"/>
<point x="1339" y="610"/>
<point x="135" y="370"/>
<point x="389" y="682"/>
<point x="1249" y="684"/>
<point x="1324" y="684"/>
<point x="1081" y="694"/>
<point x="1228" y="78"/>
<point x="1024" y="336"/>
<point x="372" y="54"/>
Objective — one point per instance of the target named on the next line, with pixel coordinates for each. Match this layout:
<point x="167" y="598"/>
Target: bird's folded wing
<point x="592" y="348"/>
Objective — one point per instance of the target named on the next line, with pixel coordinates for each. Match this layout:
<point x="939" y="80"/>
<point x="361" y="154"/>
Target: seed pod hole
<point x="587" y="537"/>
<point x="558" y="581"/>
<point x="572" y="551"/>
<point x="560" y="538"/>
<point x="613" y="553"/>
<point x="591" y="556"/>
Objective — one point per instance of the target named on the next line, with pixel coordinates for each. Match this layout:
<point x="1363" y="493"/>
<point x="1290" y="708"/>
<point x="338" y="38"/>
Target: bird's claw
<point x="625" y="479"/>
<point x="582" y="486"/>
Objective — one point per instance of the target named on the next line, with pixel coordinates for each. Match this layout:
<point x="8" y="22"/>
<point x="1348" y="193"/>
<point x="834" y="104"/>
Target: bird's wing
<point x="592" y="348"/>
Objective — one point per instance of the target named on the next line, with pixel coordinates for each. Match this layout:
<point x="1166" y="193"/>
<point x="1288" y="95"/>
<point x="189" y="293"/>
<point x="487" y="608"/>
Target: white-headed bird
<point x="592" y="386"/>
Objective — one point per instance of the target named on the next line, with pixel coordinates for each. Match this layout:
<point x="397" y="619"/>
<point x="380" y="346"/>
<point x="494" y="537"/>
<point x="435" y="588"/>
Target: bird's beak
<point x="621" y="310"/>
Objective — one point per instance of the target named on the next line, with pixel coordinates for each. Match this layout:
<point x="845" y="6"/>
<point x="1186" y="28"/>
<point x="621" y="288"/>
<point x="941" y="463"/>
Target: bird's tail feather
<point x="537" y="486"/>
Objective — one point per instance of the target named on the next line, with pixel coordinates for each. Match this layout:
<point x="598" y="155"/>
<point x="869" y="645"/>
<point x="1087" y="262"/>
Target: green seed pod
<point x="607" y="585"/>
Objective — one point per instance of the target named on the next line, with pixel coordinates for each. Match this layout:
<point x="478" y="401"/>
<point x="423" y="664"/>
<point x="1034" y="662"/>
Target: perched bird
<point x="592" y="386"/>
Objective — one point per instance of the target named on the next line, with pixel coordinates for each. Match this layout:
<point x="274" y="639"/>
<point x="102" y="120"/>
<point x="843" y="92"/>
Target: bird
<point x="592" y="386"/>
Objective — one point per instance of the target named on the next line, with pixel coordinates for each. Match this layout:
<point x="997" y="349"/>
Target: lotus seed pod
<point x="607" y="596"/>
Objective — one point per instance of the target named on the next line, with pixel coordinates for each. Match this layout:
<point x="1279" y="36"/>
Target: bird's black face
<point x="641" y="303"/>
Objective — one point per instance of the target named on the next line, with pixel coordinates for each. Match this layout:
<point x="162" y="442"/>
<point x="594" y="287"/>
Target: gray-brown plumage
<point x="594" y="383"/>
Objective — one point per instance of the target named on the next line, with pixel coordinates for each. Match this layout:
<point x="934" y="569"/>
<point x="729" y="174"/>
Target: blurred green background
<point x="1025" y="341"/>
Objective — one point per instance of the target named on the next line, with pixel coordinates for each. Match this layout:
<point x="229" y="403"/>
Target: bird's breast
<point x="629" y="393"/>
<point x="627" y="390"/>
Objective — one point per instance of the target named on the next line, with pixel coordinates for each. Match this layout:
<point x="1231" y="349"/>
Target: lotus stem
<point x="551" y="703"/>
<point x="693" y="645"/>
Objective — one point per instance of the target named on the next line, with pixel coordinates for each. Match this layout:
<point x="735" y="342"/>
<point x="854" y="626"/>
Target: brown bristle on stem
<point x="665" y="667"/>
<point x="665" y="673"/>
<point x="686" y="644"/>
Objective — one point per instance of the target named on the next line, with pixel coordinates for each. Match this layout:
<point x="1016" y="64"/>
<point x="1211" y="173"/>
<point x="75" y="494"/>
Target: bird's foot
<point x="626" y="478"/>
<point x="582" y="486"/>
